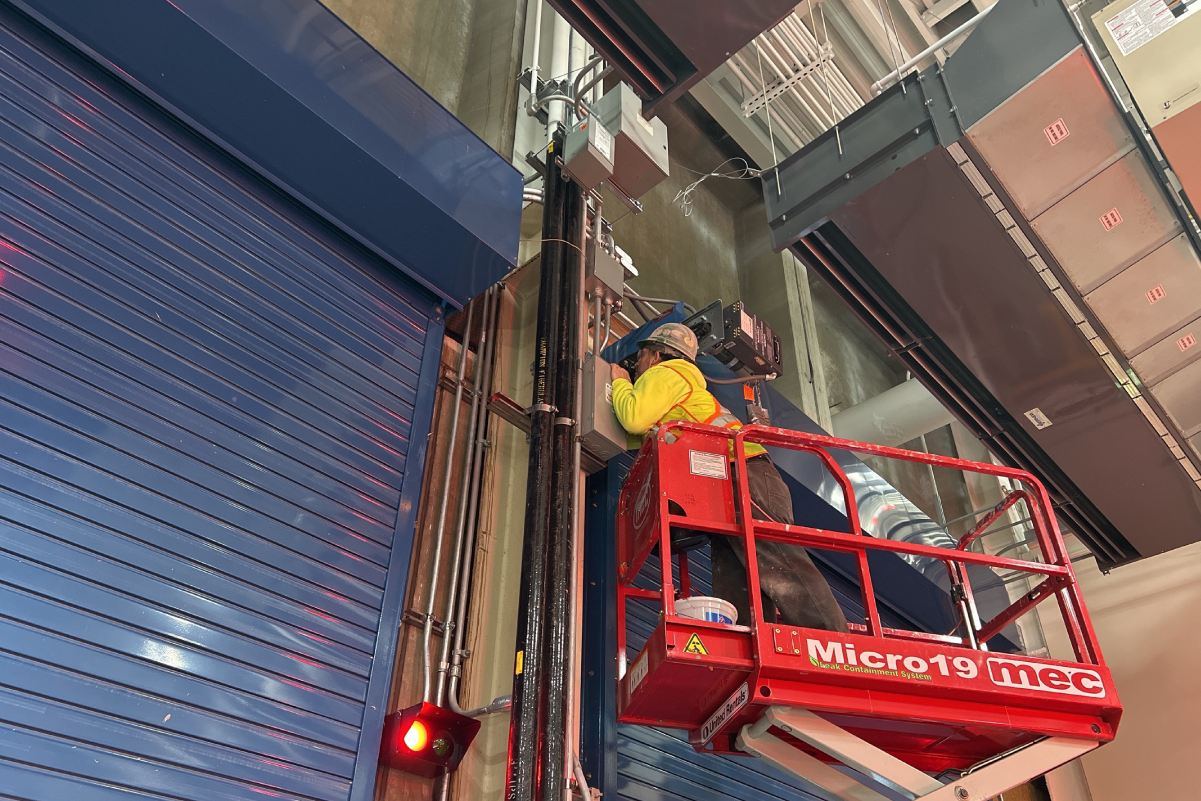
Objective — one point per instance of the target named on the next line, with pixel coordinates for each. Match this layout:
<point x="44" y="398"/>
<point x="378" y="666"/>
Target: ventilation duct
<point x="1006" y="227"/>
<point x="662" y="47"/>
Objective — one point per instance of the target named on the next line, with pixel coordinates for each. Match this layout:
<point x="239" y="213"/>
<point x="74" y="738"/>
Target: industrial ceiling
<point x="1026" y="252"/>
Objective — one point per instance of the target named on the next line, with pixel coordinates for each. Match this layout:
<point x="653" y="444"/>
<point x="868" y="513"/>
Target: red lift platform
<point x="899" y="707"/>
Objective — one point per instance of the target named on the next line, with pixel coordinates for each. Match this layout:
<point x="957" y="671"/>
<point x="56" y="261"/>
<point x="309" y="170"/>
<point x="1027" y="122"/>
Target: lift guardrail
<point x="908" y="702"/>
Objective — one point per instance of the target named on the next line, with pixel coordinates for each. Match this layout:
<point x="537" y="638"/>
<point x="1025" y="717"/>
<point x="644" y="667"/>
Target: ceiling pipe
<point x="903" y="413"/>
<point x="962" y="30"/>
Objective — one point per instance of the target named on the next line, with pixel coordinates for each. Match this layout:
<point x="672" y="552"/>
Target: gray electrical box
<point x="588" y="153"/>
<point x="601" y="434"/>
<point x="604" y="275"/>
<point x="640" y="151"/>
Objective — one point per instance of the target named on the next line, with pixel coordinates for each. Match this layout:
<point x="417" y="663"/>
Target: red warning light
<point x="417" y="736"/>
<point x="426" y="740"/>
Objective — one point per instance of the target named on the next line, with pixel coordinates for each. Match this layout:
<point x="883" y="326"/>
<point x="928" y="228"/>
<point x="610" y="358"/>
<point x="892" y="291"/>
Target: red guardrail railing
<point x="1059" y="581"/>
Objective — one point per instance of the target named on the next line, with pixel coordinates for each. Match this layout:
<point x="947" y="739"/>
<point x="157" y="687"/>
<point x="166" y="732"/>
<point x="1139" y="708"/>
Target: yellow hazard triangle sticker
<point x="695" y="646"/>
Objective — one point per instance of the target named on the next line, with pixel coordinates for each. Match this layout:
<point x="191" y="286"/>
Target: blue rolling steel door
<point x="210" y="414"/>
<point x="639" y="763"/>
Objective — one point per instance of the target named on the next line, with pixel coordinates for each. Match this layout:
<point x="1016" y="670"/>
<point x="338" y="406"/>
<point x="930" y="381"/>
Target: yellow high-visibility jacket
<point x="671" y="390"/>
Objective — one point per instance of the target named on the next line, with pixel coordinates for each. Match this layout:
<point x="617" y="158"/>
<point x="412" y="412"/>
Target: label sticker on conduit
<point x="1186" y="342"/>
<point x="1056" y="132"/>
<point x="1111" y="219"/>
<point x="1156" y="295"/>
<point x="1039" y="419"/>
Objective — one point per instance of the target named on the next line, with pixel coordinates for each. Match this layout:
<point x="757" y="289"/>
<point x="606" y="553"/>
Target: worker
<point x="668" y="385"/>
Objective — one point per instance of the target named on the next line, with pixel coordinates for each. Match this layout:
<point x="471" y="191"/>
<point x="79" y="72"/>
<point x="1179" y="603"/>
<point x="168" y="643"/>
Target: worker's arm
<point x="641" y="405"/>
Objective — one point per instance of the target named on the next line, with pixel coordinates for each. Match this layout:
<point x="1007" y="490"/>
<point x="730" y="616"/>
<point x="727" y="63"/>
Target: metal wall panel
<point x="1179" y="348"/>
<point x="1014" y="141"/>
<point x="1005" y="328"/>
<point x="1178" y="394"/>
<point x="1124" y="197"/>
<point x="1151" y="299"/>
<point x="211" y="411"/>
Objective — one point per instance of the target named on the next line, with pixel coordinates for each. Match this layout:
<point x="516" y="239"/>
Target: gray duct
<point x="892" y="418"/>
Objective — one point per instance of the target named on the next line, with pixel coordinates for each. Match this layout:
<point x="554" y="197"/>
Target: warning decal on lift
<point x="695" y="646"/>
<point x="725" y="712"/>
<point x="710" y="465"/>
<point x="641" y="668"/>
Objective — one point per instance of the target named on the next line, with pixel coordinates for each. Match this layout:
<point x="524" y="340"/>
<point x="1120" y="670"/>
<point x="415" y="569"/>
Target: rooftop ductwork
<point x="1006" y="226"/>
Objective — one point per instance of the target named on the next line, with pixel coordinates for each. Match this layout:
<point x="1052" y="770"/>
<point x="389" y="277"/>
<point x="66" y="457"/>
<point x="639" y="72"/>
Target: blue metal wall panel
<point x="213" y="418"/>
<point x="316" y="110"/>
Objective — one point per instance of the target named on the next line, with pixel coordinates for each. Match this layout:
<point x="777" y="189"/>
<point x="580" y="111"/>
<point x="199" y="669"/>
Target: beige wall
<point x="1148" y="619"/>
<point x="465" y="53"/>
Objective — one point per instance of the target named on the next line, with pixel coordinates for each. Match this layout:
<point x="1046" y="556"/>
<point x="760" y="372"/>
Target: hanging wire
<point x="767" y="105"/>
<point x="887" y="35"/>
<point x="826" y="70"/>
<point x="685" y="196"/>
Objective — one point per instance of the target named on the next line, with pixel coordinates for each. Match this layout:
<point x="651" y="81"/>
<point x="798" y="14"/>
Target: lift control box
<point x="600" y="432"/>
<point x="749" y="346"/>
<point x="640" y="149"/>
<point x="738" y="339"/>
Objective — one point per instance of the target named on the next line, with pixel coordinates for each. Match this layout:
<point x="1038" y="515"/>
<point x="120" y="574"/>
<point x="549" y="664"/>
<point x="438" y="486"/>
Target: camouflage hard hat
<point x="676" y="336"/>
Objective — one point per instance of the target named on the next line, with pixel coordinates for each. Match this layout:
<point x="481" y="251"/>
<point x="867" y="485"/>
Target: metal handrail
<point x="1059" y="579"/>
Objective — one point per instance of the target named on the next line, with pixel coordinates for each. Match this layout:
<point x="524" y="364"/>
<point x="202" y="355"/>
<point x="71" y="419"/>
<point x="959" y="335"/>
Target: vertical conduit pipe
<point x="440" y="529"/>
<point x="526" y="721"/>
<point x="553" y="779"/>
<point x="560" y="66"/>
<point x="460" y="618"/>
<point x="451" y="661"/>
<point x="532" y="100"/>
<point x="576" y="551"/>
<point x="469" y="465"/>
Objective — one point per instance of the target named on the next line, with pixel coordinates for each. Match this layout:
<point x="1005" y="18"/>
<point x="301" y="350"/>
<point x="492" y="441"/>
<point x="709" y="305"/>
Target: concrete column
<point x="775" y="286"/>
<point x="489" y="97"/>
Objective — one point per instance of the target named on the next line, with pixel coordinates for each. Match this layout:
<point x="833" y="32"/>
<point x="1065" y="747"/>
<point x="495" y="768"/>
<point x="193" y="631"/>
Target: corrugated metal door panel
<point x="659" y="764"/>
<point x="206" y="410"/>
<point x="654" y="765"/>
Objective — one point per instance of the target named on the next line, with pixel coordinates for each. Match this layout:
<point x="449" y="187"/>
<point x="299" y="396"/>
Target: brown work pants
<point x="788" y="579"/>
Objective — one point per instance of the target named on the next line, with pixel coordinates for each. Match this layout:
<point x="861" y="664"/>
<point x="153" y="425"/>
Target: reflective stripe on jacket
<point x="671" y="390"/>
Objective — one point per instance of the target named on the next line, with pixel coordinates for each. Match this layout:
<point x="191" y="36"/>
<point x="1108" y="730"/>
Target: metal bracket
<point x="534" y="159"/>
<point x="630" y="203"/>
<point x="412" y="617"/>
<point x="985" y="783"/>
<point x="946" y="87"/>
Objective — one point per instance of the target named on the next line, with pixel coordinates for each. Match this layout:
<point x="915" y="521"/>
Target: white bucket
<point x="701" y="607"/>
